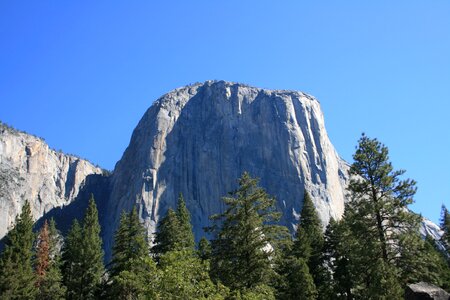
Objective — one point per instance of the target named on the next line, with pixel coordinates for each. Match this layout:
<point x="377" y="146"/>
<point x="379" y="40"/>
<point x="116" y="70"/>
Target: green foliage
<point x="174" y="230"/>
<point x="383" y="235"/>
<point x="309" y="236"/>
<point x="138" y="282"/>
<point x="16" y="274"/>
<point x="259" y="292"/>
<point x="167" y="237"/>
<point x="419" y="260"/>
<point x="383" y="283"/>
<point x="436" y="269"/>
<point x="246" y="238"/>
<point x="184" y="276"/>
<point x="299" y="284"/>
<point x="130" y="243"/>
<point x="72" y="261"/>
<point x="379" y="198"/>
<point x="337" y="245"/>
<point x="92" y="252"/>
<point x="47" y="264"/>
<point x="185" y="229"/>
<point x="309" y="241"/>
<point x="133" y="272"/>
<point x="83" y="256"/>
<point x="204" y="249"/>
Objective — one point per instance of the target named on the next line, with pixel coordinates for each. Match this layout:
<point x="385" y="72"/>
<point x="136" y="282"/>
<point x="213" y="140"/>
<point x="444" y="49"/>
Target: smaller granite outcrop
<point x="425" y="291"/>
<point x="30" y="170"/>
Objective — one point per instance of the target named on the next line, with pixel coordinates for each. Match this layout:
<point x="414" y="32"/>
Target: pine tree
<point x="419" y="260"/>
<point x="338" y="283"/>
<point x="92" y="252"/>
<point x="72" y="262"/>
<point x="174" y="230"/>
<point x="132" y="270"/>
<point x="16" y="273"/>
<point x="435" y="268"/>
<point x="185" y="229"/>
<point x="298" y="280"/>
<point x="83" y="256"/>
<point x="383" y="283"/>
<point x="309" y="241"/>
<point x="204" y="249"/>
<point x="246" y="237"/>
<point x="130" y="242"/>
<point x="309" y="236"/>
<point x="167" y="237"/>
<point x="47" y="268"/>
<point x="379" y="220"/>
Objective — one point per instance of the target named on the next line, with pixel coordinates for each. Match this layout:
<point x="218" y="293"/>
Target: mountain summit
<point x="197" y="140"/>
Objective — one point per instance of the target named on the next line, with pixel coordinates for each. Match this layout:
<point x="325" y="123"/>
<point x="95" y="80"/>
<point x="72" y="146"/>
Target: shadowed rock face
<point x="198" y="140"/>
<point x="30" y="170"/>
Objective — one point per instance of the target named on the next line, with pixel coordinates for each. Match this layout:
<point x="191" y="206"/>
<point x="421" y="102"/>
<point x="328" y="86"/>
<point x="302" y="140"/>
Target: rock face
<point x="197" y="140"/>
<point x="30" y="170"/>
<point x="425" y="291"/>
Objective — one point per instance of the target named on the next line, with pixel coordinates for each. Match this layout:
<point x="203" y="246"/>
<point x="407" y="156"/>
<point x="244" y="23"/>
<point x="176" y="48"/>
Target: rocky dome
<point x="197" y="140"/>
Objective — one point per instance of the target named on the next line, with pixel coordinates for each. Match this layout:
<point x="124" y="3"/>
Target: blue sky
<point x="81" y="74"/>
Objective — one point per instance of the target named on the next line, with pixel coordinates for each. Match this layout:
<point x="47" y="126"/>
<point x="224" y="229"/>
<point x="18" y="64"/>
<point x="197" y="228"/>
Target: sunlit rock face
<point x="197" y="140"/>
<point x="30" y="170"/>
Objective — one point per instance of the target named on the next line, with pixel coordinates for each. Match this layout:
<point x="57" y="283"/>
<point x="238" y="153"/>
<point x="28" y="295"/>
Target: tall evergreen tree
<point x="299" y="284"/>
<point x="167" y="237"/>
<point x="132" y="270"/>
<point x="337" y="244"/>
<point x="174" y="230"/>
<point x="185" y="229"/>
<point x="47" y="267"/>
<point x="379" y="219"/>
<point x="204" y="249"/>
<point x="72" y="265"/>
<point x="436" y="269"/>
<point x="246" y="237"/>
<point x="309" y="236"/>
<point x="83" y="256"/>
<point x="92" y="252"/>
<point x="16" y="272"/>
<point x="309" y="241"/>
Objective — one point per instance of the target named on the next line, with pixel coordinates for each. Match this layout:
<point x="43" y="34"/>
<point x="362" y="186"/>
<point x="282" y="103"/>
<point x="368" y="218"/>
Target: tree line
<point x="372" y="252"/>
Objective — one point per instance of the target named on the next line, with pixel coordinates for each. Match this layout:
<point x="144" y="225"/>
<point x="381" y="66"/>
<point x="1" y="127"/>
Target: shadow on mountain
<point x="97" y="185"/>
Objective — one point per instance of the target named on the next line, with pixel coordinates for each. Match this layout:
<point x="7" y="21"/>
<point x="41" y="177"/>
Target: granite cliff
<point x="30" y="170"/>
<point x="197" y="140"/>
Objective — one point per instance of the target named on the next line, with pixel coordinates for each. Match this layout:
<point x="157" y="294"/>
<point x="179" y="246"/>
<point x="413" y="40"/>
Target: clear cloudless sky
<point x="81" y="74"/>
